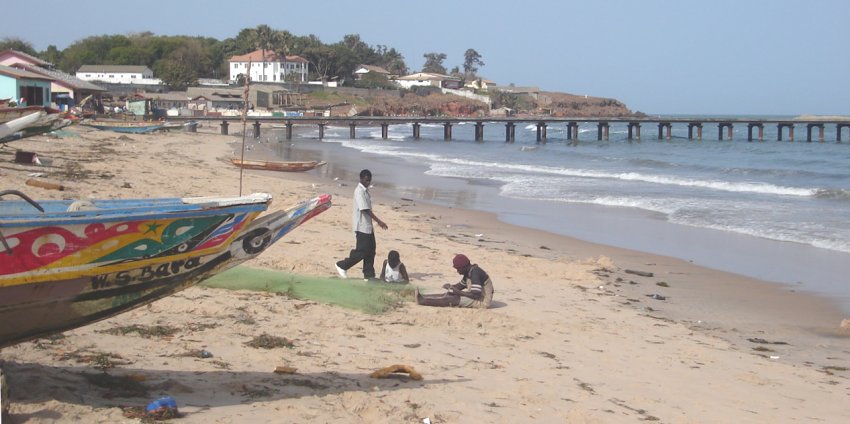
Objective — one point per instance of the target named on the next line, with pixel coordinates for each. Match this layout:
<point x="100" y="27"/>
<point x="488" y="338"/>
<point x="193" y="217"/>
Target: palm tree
<point x="265" y="38"/>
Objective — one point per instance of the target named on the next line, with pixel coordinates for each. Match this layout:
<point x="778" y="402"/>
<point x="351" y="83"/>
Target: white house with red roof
<point x="272" y="68"/>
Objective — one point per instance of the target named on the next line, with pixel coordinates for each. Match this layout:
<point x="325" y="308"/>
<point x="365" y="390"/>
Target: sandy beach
<point x="574" y="335"/>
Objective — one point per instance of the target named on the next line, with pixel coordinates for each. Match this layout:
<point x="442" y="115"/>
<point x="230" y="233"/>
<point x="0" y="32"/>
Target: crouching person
<point x="475" y="289"/>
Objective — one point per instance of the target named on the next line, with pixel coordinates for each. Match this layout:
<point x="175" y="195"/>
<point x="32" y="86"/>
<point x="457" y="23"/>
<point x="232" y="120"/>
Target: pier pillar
<point x="634" y="130"/>
<point x="809" y="132"/>
<point x="256" y="129"/>
<point x="416" y="130"/>
<point x="447" y="131"/>
<point x="224" y="125"/>
<point x="541" y="132"/>
<point x="782" y="125"/>
<point x="750" y="127"/>
<point x="510" y="132"/>
<point x="321" y="130"/>
<point x="289" y="131"/>
<point x="838" y="128"/>
<point x="351" y="130"/>
<point x="602" y="131"/>
<point x="572" y="130"/>
<point x="479" y="131"/>
<point x="661" y="127"/>
<point x="720" y="127"/>
<point x="385" y="130"/>
<point x="691" y="126"/>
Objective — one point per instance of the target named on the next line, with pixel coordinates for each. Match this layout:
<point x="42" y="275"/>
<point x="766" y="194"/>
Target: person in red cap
<point x="475" y="289"/>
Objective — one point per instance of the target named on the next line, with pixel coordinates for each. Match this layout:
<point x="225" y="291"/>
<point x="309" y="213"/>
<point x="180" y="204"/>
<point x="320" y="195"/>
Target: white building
<point x="425" y="79"/>
<point x="273" y="69"/>
<point x="118" y="74"/>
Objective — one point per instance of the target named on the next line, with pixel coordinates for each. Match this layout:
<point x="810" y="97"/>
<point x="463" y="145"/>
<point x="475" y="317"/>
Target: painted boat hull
<point x="125" y="127"/>
<point x="276" y="166"/>
<point x="41" y="308"/>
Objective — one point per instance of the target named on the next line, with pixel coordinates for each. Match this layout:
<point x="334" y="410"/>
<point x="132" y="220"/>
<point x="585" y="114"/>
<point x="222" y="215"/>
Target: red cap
<point x="460" y="261"/>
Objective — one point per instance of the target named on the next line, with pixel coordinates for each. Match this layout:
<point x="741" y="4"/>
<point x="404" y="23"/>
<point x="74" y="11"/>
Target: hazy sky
<point x="657" y="56"/>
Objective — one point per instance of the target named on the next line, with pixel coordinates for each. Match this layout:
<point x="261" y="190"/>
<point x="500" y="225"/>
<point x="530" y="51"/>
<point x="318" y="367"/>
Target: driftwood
<point x="383" y="372"/>
<point x="641" y="273"/>
<point x="284" y="369"/>
<point x="45" y="184"/>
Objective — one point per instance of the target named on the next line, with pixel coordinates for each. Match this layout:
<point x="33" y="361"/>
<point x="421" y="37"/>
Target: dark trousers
<point x="364" y="251"/>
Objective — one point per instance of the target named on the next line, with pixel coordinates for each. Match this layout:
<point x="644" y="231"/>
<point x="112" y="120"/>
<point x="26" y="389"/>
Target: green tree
<point x="322" y="59"/>
<point x="392" y="60"/>
<point x="471" y="62"/>
<point x="17" y="44"/>
<point x="434" y="63"/>
<point x="374" y="80"/>
<point x="51" y="54"/>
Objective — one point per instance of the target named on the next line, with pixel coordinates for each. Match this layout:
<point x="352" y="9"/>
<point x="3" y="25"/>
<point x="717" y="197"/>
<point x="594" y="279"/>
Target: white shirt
<point x="392" y="275"/>
<point x="362" y="201"/>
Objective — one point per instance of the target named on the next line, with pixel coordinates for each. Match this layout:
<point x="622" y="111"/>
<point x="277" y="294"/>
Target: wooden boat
<point x="133" y="127"/>
<point x="9" y="113"/>
<point x="269" y="165"/>
<point x="10" y="127"/>
<point x="67" y="264"/>
<point x="36" y="123"/>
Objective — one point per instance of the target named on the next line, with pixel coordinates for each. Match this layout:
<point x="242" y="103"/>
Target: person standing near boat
<point x="364" y="233"/>
<point x="475" y="289"/>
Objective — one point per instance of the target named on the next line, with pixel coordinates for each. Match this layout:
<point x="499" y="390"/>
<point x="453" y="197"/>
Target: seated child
<point x="393" y="271"/>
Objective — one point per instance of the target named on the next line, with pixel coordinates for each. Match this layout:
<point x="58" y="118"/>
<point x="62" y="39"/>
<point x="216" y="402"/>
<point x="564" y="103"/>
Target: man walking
<point x="364" y="233"/>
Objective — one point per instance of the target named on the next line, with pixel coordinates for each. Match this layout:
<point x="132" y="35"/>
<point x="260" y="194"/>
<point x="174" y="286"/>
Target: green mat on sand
<point x="369" y="297"/>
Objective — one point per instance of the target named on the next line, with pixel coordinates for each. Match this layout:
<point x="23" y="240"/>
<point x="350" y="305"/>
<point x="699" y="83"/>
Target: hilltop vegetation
<point x="179" y="61"/>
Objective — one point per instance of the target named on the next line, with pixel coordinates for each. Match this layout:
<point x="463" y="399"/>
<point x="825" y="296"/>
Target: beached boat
<point x="36" y="123"/>
<point x="269" y="165"/>
<point x="134" y="127"/>
<point x="67" y="264"/>
<point x="10" y="127"/>
<point x="9" y="113"/>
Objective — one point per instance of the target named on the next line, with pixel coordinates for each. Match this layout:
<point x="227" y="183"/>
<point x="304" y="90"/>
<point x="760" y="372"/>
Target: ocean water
<point x="784" y="206"/>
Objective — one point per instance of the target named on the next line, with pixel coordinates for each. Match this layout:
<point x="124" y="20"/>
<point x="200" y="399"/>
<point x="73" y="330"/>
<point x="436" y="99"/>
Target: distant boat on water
<point x="269" y="165"/>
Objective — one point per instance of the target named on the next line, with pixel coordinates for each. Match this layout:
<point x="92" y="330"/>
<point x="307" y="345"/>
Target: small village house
<point x="272" y="68"/>
<point x="19" y="84"/>
<point x="66" y="90"/>
<point x="363" y="70"/>
<point x="118" y="74"/>
<point x="426" y="79"/>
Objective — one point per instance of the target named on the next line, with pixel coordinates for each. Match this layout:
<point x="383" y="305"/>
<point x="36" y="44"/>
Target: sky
<point x="755" y="57"/>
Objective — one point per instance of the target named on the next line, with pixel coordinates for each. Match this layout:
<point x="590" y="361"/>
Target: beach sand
<point x="572" y="337"/>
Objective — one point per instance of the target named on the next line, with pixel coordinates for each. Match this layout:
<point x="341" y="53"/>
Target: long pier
<point x="755" y="127"/>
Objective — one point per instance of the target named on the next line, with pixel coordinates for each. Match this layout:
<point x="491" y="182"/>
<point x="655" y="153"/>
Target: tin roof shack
<point x="66" y="89"/>
<point x="174" y="103"/>
<point x="19" y="84"/>
<point x="207" y="100"/>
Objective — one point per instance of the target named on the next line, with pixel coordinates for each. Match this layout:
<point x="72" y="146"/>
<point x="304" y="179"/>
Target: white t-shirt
<point x="392" y="275"/>
<point x="362" y="201"/>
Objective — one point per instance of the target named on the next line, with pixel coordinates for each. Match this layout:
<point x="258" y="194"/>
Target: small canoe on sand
<point x="269" y="165"/>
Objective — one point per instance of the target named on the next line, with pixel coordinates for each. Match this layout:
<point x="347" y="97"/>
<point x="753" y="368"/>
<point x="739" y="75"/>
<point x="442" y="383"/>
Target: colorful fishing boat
<point x="270" y="165"/>
<point x="67" y="264"/>
<point x="133" y="127"/>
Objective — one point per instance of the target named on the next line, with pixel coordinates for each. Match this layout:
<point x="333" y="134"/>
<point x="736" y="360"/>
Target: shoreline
<point x="572" y="339"/>
<point x="813" y="270"/>
<point x="700" y="296"/>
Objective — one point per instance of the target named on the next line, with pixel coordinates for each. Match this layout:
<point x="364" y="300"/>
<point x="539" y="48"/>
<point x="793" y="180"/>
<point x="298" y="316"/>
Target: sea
<point x="774" y="210"/>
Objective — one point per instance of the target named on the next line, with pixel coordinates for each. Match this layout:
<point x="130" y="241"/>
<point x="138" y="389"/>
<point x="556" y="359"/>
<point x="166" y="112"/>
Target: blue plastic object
<point x="165" y="402"/>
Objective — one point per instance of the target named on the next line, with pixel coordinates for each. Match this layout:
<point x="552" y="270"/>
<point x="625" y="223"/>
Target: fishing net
<point x="369" y="297"/>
